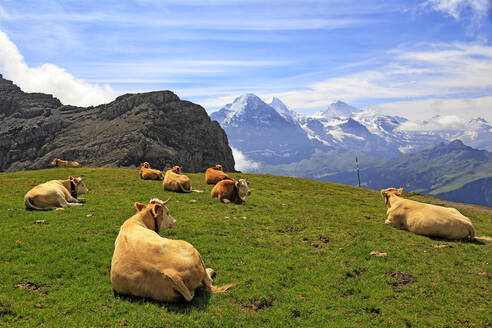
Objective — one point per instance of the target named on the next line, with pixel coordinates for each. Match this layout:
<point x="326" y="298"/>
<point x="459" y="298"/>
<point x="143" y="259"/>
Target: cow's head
<point x="387" y="193"/>
<point x="217" y="167"/>
<point x="145" y="165"/>
<point x="243" y="188"/>
<point x="158" y="212"/>
<point x="55" y="162"/>
<point x="176" y="169"/>
<point x="80" y="187"/>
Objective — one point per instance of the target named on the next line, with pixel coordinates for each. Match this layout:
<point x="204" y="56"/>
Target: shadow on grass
<point x="199" y="302"/>
<point x="466" y="241"/>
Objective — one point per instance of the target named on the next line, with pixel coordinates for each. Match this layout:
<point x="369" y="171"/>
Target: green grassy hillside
<point x="299" y="251"/>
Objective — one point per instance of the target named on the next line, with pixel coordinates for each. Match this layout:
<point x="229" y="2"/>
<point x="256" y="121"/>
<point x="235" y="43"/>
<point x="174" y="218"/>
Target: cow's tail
<point x="183" y="188"/>
<point x="221" y="289"/>
<point x="30" y="206"/>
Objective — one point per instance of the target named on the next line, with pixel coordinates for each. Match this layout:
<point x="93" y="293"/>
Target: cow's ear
<point x="157" y="208"/>
<point x="167" y="201"/>
<point x="400" y="191"/>
<point x="70" y="178"/>
<point x="236" y="183"/>
<point x="140" y="206"/>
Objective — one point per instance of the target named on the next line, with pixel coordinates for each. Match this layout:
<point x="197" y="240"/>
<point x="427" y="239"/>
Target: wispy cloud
<point x="455" y="8"/>
<point x="49" y="78"/>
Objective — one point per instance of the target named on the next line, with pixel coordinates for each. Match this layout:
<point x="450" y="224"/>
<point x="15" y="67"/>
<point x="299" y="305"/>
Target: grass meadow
<point x="298" y="250"/>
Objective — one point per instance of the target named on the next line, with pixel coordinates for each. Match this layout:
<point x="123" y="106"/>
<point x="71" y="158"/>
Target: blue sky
<point x="412" y="58"/>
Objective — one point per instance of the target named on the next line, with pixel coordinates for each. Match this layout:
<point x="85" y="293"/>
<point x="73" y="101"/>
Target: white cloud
<point x="455" y="8"/>
<point x="49" y="78"/>
<point x="242" y="163"/>
<point x="454" y="74"/>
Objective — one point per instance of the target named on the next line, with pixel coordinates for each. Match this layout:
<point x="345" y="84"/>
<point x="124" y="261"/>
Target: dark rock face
<point x="156" y="127"/>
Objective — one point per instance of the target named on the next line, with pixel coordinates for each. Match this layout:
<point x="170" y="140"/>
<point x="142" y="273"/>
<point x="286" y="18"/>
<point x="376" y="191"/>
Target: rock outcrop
<point x="156" y="127"/>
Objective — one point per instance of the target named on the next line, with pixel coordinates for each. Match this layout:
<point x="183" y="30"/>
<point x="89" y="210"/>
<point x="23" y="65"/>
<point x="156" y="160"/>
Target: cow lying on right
<point x="425" y="219"/>
<point x="230" y="191"/>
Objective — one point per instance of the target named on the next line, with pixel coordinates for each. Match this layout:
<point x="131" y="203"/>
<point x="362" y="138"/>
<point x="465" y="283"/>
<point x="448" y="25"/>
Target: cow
<point x="425" y="219"/>
<point x="147" y="173"/>
<point x="61" y="163"/>
<point x="147" y="265"/>
<point x="56" y="194"/>
<point x="228" y="191"/>
<point x="215" y="174"/>
<point x="174" y="180"/>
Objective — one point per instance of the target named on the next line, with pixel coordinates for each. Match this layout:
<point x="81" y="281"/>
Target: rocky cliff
<point x="156" y="127"/>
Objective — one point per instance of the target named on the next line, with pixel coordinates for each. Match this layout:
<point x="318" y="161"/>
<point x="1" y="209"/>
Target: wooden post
<point x="357" y="166"/>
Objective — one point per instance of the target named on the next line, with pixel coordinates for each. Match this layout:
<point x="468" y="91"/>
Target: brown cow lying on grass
<point x="147" y="173"/>
<point x="425" y="219"/>
<point x="215" y="174"/>
<point x="145" y="264"/>
<point x="176" y="181"/>
<point x="55" y="194"/>
<point x="61" y="163"/>
<point x="231" y="191"/>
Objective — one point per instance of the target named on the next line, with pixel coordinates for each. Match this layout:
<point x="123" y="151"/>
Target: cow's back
<point x="432" y="220"/>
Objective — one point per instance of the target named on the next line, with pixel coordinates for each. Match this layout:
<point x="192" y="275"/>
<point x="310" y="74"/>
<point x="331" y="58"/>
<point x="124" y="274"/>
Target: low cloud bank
<point x="242" y="163"/>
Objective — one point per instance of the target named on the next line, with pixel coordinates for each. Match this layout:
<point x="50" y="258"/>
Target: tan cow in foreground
<point x="228" y="191"/>
<point x="425" y="219"/>
<point x="174" y="180"/>
<point x="145" y="264"/>
<point x="61" y="163"/>
<point x="147" y="173"/>
<point x="55" y="194"/>
<point x="215" y="174"/>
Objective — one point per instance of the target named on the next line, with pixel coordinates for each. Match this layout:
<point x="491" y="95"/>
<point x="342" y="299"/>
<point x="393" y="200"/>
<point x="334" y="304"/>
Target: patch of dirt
<point x="355" y="273"/>
<point x="42" y="290"/>
<point x="256" y="305"/>
<point x="403" y="278"/>
<point x="442" y="246"/>
<point x="378" y="254"/>
<point x="4" y="310"/>
<point x="485" y="273"/>
<point x="324" y="239"/>
<point x="373" y="310"/>
<point x="367" y="217"/>
<point x="469" y="207"/>
<point x="291" y="229"/>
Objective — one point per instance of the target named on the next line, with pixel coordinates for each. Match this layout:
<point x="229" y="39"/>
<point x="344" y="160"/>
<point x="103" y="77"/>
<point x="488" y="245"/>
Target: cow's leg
<point x="178" y="284"/>
<point x="63" y="202"/>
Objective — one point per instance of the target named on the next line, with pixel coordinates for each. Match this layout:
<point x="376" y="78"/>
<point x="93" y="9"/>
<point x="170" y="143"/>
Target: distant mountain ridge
<point x="339" y="127"/>
<point x="447" y="171"/>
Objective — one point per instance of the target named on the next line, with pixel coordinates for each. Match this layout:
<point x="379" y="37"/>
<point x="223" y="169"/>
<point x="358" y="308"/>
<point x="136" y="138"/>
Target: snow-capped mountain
<point x="338" y="109"/>
<point x="272" y="133"/>
<point x="263" y="133"/>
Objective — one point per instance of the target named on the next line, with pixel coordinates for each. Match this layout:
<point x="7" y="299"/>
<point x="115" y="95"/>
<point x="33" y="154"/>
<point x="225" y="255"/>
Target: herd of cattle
<point x="147" y="265"/>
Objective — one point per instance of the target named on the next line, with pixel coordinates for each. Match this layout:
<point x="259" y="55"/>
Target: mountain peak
<point x="339" y="109"/>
